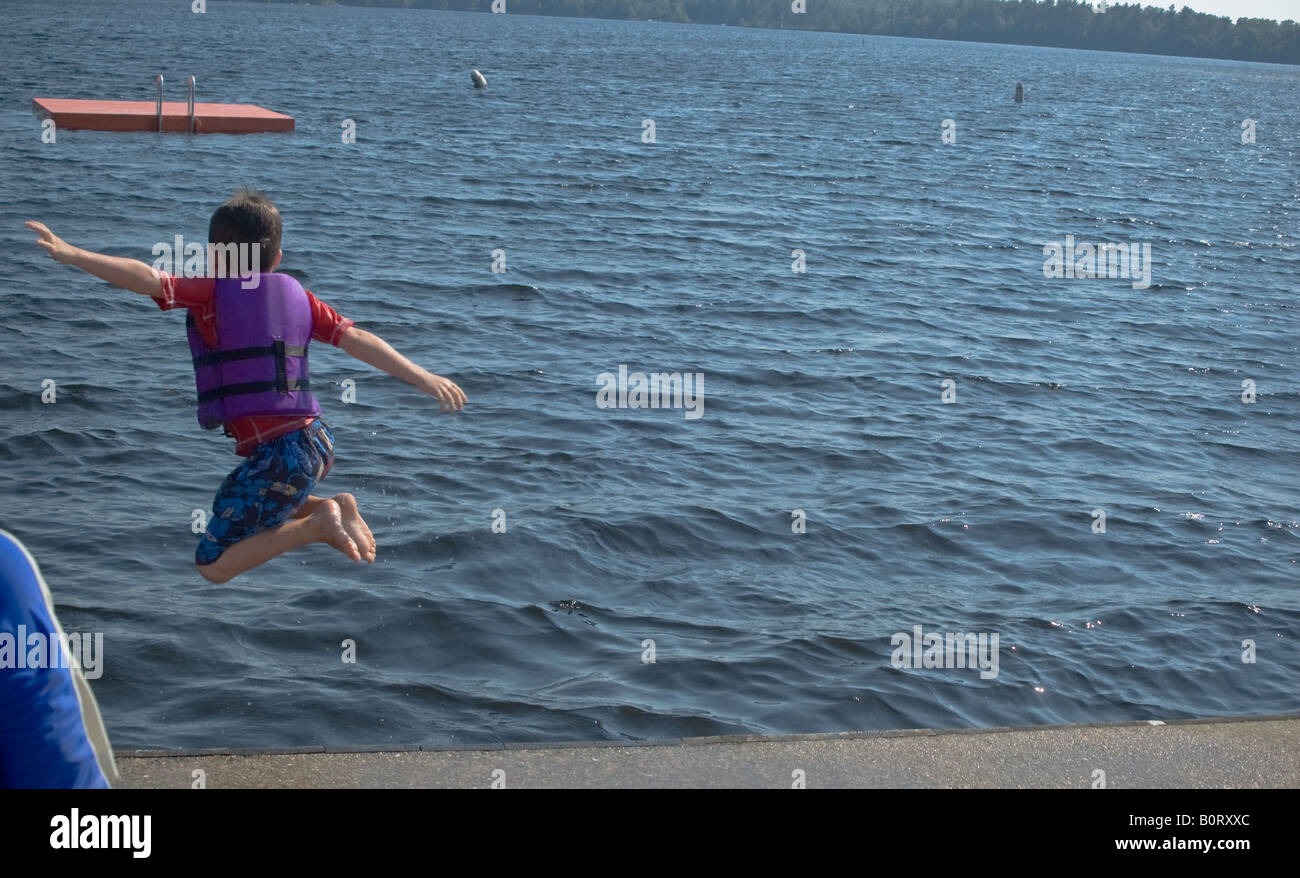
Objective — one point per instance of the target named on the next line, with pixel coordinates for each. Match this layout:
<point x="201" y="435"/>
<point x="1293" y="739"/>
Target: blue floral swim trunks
<point x="266" y="490"/>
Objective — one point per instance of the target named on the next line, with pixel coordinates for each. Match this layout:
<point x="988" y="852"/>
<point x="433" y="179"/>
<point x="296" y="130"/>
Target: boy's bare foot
<point x="328" y="521"/>
<point x="356" y="526"/>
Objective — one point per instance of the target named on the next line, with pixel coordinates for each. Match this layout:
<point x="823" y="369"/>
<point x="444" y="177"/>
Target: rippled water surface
<point x="822" y="390"/>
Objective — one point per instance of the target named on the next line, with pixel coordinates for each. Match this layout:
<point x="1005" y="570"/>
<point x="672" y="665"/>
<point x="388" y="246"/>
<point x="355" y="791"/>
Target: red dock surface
<point x="143" y="116"/>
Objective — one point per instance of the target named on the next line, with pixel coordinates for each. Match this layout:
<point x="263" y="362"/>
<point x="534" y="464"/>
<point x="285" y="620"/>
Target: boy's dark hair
<point x="248" y="217"/>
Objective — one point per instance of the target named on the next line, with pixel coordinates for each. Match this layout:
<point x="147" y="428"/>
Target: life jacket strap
<point x="279" y="350"/>
<point x="281" y="374"/>
<point x="253" y="387"/>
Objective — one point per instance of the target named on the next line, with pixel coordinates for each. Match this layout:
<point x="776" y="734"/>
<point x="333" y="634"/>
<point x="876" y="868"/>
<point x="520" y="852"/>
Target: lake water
<point x="822" y="390"/>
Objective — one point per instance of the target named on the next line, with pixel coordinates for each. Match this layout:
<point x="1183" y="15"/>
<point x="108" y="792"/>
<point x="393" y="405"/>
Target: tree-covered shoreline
<point x="1068" y="24"/>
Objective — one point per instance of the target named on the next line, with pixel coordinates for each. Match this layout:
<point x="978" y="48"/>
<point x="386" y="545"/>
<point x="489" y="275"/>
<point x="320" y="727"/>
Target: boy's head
<point x="248" y="217"/>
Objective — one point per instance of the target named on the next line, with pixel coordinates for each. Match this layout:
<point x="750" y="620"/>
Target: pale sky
<point x="1276" y="9"/>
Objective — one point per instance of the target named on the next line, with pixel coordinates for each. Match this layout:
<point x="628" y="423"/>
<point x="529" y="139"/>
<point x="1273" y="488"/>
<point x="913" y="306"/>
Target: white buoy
<point x="479" y="80"/>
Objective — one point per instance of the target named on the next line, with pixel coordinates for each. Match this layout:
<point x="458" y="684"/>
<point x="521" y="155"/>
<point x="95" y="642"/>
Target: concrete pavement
<point x="1214" y="753"/>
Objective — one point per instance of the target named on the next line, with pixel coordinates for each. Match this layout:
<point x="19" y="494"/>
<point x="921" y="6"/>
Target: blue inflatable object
<point x="51" y="735"/>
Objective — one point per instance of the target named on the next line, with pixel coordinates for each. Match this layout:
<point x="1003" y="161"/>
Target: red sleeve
<point x="184" y="292"/>
<point x="326" y="323"/>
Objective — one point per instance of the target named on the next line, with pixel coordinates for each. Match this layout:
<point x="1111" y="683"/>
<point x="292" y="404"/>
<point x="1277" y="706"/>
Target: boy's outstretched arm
<point x="129" y="274"/>
<point x="370" y="348"/>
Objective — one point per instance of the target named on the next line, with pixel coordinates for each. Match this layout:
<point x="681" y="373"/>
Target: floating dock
<point x="173" y="116"/>
<point x="1183" y="754"/>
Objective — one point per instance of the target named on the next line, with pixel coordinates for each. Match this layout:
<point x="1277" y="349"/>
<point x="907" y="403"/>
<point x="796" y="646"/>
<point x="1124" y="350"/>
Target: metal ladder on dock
<point x="190" y="102"/>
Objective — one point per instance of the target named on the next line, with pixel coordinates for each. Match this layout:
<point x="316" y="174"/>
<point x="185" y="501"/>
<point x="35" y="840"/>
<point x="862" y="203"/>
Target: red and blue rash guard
<point x="196" y="294"/>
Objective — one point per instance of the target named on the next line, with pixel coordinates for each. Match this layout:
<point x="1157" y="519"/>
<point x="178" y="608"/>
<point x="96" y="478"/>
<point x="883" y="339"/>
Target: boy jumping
<point x="249" y="337"/>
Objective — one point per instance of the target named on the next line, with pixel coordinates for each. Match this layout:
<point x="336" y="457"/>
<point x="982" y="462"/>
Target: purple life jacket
<point x="259" y="366"/>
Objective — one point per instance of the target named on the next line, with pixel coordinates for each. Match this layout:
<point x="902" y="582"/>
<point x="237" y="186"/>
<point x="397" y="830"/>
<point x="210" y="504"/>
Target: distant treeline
<point x="1063" y="23"/>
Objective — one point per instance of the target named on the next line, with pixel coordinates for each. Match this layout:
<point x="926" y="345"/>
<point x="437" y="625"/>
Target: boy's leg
<point x="322" y="442"/>
<point x="265" y="508"/>
<point x="353" y="523"/>
<point x="308" y="506"/>
<point x="323" y="525"/>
